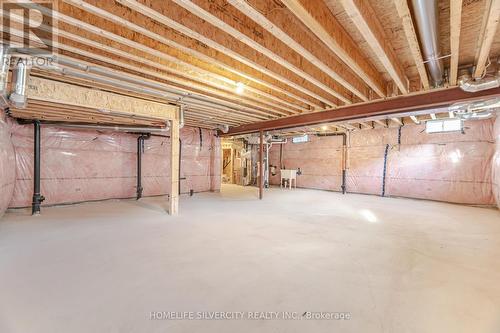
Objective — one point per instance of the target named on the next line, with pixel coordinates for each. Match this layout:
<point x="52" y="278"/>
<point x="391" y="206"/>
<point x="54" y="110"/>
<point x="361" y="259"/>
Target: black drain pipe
<point x="385" y="169"/>
<point x="37" y="197"/>
<point x="180" y="163"/>
<point x="140" y="151"/>
<point x="344" y="162"/>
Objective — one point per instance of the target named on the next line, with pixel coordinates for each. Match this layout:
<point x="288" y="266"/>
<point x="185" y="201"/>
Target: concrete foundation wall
<point x="451" y="167"/>
<point x="81" y="165"/>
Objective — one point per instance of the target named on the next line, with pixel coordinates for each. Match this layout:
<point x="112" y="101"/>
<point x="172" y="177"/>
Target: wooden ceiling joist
<point x="382" y="123"/>
<point x="257" y="64"/>
<point x="167" y="13"/>
<point x="273" y="48"/>
<point x="107" y="59"/>
<point x="315" y="15"/>
<point x="174" y="66"/>
<point x="411" y="37"/>
<point x="455" y="28"/>
<point x="363" y="16"/>
<point x="245" y="117"/>
<point x="277" y="22"/>
<point x="222" y="118"/>
<point x="488" y="33"/>
<point x="366" y="125"/>
<point x="398" y="121"/>
<point x="190" y="47"/>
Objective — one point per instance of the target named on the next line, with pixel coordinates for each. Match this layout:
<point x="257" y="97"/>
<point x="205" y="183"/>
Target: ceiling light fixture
<point x="240" y="88"/>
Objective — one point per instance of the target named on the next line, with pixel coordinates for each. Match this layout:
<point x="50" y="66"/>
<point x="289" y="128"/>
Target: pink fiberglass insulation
<point x="451" y="167"/>
<point x="365" y="162"/>
<point x="83" y="165"/>
<point x="320" y="161"/>
<point x="7" y="165"/>
<point x="496" y="164"/>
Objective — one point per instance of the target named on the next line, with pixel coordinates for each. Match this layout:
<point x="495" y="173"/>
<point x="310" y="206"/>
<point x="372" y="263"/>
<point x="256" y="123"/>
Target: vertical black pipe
<point x="140" y="151"/>
<point x="140" y="144"/>
<point x="180" y="162"/>
<point x="37" y="197"/>
<point x="385" y="169"/>
<point x="343" y="187"/>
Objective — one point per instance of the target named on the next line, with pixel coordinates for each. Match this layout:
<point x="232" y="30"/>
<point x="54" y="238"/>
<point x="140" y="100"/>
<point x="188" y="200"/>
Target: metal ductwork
<point x="467" y="83"/>
<point x="426" y="15"/>
<point x="112" y="128"/>
<point x="20" y="82"/>
<point x="481" y="109"/>
<point x="277" y="139"/>
<point x="4" y="74"/>
<point x="129" y="83"/>
<point x="223" y="128"/>
<point x="181" y="116"/>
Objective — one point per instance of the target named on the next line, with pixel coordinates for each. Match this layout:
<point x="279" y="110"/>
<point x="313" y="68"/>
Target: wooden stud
<point x="173" y="202"/>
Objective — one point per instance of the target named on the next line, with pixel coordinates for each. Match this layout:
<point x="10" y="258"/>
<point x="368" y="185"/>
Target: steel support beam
<point x="422" y="101"/>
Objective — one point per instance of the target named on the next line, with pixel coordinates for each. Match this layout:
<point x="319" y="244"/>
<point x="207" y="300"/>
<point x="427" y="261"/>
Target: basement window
<point x="300" y="139"/>
<point x="444" y="125"/>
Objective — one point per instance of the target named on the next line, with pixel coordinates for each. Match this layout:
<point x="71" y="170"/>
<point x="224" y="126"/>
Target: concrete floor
<point x="396" y="265"/>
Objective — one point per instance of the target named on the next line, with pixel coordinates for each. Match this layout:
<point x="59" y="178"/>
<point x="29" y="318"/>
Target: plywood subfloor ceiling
<point x="292" y="56"/>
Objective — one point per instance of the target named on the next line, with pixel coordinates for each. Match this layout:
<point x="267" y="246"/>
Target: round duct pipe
<point x="426" y="15"/>
<point x="181" y="116"/>
<point x="20" y="82"/>
<point x="467" y="83"/>
<point x="223" y="128"/>
<point x="111" y="127"/>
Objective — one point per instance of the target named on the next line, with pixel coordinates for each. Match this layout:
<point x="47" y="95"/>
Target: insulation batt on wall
<point x="7" y="165"/>
<point x="83" y="165"/>
<point x="452" y="167"/>
<point x="495" y="174"/>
